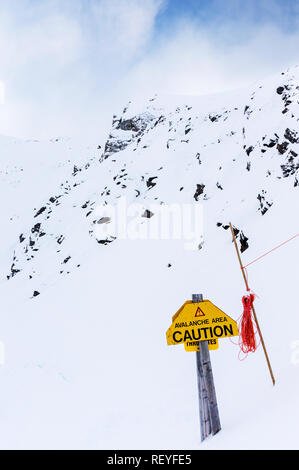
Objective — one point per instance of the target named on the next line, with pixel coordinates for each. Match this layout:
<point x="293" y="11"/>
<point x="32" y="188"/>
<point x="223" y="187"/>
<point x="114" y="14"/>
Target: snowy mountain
<point x="86" y="302"/>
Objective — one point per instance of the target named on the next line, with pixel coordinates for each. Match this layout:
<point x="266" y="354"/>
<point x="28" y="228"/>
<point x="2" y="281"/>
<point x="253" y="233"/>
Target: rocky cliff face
<point x="233" y="153"/>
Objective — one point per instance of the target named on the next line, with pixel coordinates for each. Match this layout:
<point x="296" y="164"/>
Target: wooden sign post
<point x="208" y="408"/>
<point x="199" y="324"/>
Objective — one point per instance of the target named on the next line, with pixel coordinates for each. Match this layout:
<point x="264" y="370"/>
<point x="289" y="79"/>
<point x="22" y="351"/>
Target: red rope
<point x="273" y="249"/>
<point x="265" y="254"/>
<point x="246" y="324"/>
<point x="247" y="340"/>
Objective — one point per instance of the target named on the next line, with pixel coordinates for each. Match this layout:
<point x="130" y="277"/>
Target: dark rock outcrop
<point x="199" y="191"/>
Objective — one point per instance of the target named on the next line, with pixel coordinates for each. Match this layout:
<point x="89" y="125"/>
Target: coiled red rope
<point x="247" y="329"/>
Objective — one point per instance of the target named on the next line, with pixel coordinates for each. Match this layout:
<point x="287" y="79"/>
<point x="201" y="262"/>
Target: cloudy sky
<point x="68" y="65"/>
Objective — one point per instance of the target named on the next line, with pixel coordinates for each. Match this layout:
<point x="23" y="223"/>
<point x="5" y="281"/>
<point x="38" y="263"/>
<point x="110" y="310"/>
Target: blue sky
<point x="68" y="65"/>
<point x="281" y="12"/>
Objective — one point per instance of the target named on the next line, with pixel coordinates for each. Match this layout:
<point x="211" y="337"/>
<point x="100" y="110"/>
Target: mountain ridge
<point x="88" y="309"/>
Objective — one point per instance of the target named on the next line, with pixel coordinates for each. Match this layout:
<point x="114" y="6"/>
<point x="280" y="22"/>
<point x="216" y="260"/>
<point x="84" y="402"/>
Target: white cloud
<point x="67" y="65"/>
<point x="198" y="61"/>
<point x="61" y="59"/>
<point x="52" y="37"/>
<point x="124" y="27"/>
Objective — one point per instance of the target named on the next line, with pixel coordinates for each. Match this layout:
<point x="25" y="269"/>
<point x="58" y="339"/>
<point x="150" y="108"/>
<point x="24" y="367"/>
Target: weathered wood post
<point x="208" y="408"/>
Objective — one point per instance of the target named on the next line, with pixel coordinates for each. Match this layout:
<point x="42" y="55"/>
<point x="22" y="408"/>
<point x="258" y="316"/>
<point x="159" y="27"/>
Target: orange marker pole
<point x="253" y="309"/>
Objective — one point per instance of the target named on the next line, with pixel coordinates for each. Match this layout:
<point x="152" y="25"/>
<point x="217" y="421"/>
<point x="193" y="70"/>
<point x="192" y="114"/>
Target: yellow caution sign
<point x="195" y="322"/>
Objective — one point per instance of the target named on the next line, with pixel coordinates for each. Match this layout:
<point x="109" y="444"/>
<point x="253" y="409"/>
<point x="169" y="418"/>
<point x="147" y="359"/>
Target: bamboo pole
<point x="253" y="308"/>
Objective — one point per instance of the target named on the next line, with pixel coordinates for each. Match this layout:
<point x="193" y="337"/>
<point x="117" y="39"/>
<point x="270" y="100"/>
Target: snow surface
<point x="86" y="361"/>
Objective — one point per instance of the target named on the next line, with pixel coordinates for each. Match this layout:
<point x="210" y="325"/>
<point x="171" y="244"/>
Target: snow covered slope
<point x="85" y="309"/>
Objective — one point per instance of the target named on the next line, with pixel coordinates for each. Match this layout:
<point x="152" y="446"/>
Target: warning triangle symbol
<point x="199" y="312"/>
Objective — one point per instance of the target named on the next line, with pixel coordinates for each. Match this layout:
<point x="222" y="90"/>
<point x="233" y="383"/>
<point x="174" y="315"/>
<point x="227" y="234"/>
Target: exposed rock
<point x="199" y="191"/>
<point x="13" y="271"/>
<point x="214" y="117"/>
<point x="236" y="231"/>
<point x="114" y="145"/>
<point x="280" y="90"/>
<point x="148" y="214"/>
<point x="75" y="170"/>
<point x="36" y="228"/>
<point x="239" y="235"/>
<point x="291" y="166"/>
<point x="247" y="111"/>
<point x="40" y="211"/>
<point x="151" y="182"/>
<point x="104" y="220"/>
<point x="160" y="120"/>
<point x="243" y="242"/>
<point x="264" y="205"/>
<point x="282" y="148"/>
<point x="128" y="125"/>
<point x="271" y="143"/>
<point x="136" y="126"/>
<point x="249" y="150"/>
<point x="107" y="241"/>
<point x="291" y="136"/>
<point x="60" y="240"/>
